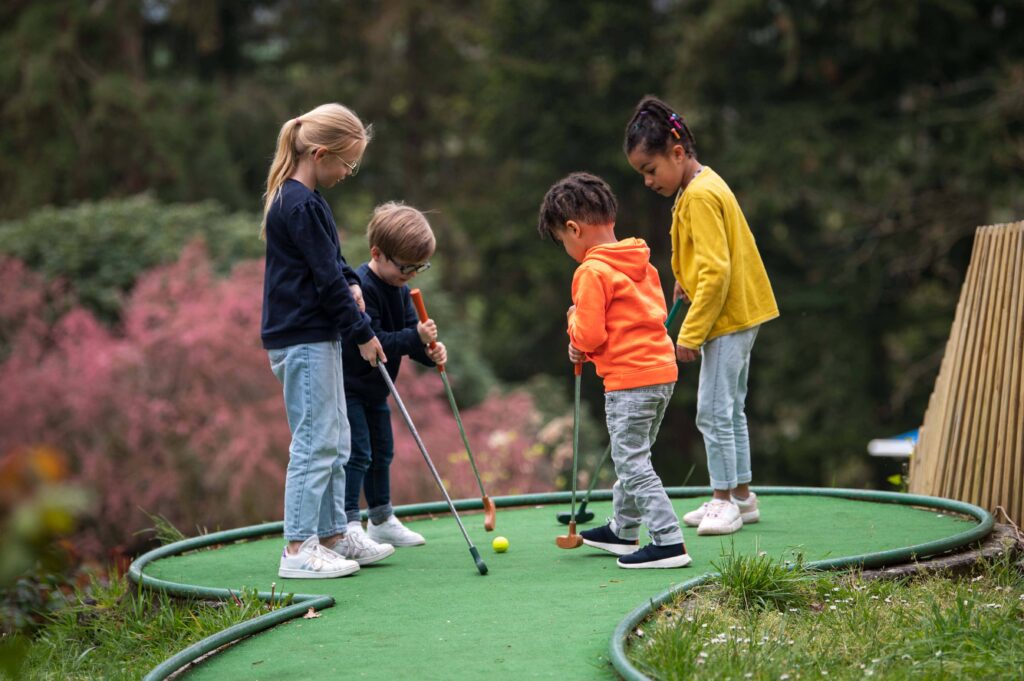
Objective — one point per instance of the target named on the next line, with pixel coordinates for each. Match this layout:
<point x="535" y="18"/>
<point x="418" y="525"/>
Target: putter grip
<point x="577" y="368"/>
<point x="421" y="312"/>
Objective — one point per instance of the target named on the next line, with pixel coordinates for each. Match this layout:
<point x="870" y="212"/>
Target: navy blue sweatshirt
<point x="306" y="298"/>
<point x="394" y="320"/>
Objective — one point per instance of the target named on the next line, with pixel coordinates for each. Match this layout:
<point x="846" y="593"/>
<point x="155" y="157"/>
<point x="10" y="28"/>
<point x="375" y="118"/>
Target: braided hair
<point x="578" y="196"/>
<point x="655" y="127"/>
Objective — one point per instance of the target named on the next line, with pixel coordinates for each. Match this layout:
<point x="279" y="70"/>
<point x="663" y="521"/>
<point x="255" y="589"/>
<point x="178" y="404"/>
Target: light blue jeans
<point x="721" y="394"/>
<point x="638" y="496"/>
<point x="314" y="397"/>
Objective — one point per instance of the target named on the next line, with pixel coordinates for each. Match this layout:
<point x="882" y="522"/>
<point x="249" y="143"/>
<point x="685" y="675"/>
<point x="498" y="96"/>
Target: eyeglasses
<point x="352" y="166"/>
<point x="409" y="269"/>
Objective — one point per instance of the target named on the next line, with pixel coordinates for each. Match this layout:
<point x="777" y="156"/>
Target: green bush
<point x="100" y="248"/>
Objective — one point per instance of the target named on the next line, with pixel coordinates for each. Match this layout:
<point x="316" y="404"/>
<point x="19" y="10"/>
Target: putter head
<point x="481" y="566"/>
<point x="570" y="541"/>
<point x="489" y="514"/>
<point x="581" y="517"/>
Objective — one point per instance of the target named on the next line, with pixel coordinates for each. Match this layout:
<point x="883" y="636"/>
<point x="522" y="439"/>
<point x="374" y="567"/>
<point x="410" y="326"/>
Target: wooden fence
<point x="971" y="445"/>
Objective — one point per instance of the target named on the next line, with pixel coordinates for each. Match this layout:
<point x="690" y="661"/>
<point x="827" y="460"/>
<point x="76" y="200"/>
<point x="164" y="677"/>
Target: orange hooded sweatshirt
<point x="619" y="320"/>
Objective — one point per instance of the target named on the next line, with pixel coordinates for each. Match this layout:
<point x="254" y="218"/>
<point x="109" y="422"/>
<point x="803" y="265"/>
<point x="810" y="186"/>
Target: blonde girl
<point x="311" y="306"/>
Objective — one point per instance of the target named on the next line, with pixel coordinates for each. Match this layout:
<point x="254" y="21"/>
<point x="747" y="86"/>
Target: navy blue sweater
<point x="306" y="298"/>
<point x="393" y="319"/>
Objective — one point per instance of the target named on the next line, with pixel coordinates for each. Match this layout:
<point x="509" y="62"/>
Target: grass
<point x="765" y="619"/>
<point x="113" y="630"/>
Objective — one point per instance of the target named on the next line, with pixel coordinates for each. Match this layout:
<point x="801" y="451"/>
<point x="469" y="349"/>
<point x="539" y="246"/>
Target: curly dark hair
<point x="577" y="196"/>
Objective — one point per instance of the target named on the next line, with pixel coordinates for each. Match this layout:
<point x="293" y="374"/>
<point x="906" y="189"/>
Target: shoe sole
<point x="748" y="518"/>
<point x="727" y="529"/>
<point x="295" y="573"/>
<point x="374" y="559"/>
<point x="617" y="549"/>
<point x="673" y="562"/>
<point x="420" y="542"/>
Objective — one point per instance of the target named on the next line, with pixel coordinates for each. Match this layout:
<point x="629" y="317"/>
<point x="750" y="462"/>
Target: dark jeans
<point x="369" y="464"/>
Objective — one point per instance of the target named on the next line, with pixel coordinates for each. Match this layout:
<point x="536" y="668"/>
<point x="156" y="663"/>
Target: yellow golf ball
<point x="500" y="545"/>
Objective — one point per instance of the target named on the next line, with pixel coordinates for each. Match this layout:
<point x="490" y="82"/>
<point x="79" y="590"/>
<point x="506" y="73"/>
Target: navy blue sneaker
<point x="652" y="556"/>
<point x="603" y="538"/>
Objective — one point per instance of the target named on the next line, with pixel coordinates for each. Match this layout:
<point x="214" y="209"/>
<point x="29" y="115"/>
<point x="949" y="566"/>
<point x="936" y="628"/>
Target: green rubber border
<point x="617" y="649"/>
<point x="302" y="602"/>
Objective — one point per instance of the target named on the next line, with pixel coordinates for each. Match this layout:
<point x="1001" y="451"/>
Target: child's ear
<point x="375" y="253"/>
<point x="679" y="153"/>
<point x="574" y="227"/>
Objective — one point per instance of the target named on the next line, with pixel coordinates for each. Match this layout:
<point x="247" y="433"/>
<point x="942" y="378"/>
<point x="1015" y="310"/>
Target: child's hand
<point x="678" y="292"/>
<point x="570" y="311"/>
<point x="685" y="354"/>
<point x="438" y="354"/>
<point x="576" y="356"/>
<point x="427" y="331"/>
<point x="357" y="294"/>
<point x="372" y="352"/>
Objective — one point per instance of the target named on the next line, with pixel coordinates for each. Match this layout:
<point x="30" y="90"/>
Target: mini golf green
<point x="541" y="612"/>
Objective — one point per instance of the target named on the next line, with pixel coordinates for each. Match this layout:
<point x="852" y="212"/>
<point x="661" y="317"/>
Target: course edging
<point x="302" y="602"/>
<point x="617" y="648"/>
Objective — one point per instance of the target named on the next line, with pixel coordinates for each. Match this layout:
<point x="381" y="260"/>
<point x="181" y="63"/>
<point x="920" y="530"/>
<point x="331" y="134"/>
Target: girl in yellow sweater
<point x="719" y="270"/>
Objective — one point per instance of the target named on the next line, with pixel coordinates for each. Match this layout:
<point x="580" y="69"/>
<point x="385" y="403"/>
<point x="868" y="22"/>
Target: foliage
<point x="846" y="627"/>
<point x="112" y="629"/>
<point x="864" y="141"/>
<point x="176" y="412"/>
<point x="38" y="508"/>
<point x="760" y="582"/>
<point x="102" y="248"/>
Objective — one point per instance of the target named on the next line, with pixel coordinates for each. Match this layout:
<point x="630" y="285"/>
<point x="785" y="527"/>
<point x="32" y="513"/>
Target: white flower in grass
<point x="784" y="677"/>
<point x="938" y="653"/>
<point x="993" y="605"/>
<point x="748" y="675"/>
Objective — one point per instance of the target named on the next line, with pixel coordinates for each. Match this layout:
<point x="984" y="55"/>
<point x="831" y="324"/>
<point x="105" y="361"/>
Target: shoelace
<point x="319" y="556"/>
<point x="358" y="540"/>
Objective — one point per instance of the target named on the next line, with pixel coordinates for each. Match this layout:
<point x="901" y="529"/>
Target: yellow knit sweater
<point x="715" y="260"/>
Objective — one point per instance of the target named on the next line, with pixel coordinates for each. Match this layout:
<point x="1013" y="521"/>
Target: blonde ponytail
<point x="332" y="126"/>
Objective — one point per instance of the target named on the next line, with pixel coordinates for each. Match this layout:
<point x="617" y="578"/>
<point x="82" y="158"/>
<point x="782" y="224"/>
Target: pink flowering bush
<point x="177" y="413"/>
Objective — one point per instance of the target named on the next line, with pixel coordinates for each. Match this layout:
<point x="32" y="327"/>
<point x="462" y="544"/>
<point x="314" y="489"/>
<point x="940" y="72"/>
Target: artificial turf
<point x="541" y="612"/>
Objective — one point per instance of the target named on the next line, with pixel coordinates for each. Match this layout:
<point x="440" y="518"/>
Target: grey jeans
<point x="638" y="496"/>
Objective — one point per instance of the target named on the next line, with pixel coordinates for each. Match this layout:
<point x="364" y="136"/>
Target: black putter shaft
<point x="562" y="517"/>
<point x="480" y="565"/>
<point x="582" y="515"/>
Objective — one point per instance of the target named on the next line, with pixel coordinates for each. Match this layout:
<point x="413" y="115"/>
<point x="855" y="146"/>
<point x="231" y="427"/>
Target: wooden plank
<point x="1003" y="418"/>
<point x="940" y="434"/>
<point x="964" y="393"/>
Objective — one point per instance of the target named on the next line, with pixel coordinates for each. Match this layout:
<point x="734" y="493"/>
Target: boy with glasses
<point x="401" y="242"/>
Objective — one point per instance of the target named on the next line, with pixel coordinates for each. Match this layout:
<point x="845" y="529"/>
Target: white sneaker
<point x="355" y="545"/>
<point x="313" y="561"/>
<point x="720" y="517"/>
<point x="748" y="511"/>
<point x="394" y="532"/>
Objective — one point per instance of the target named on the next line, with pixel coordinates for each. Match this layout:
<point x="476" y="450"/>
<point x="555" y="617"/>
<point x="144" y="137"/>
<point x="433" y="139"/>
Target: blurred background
<point x="865" y="141"/>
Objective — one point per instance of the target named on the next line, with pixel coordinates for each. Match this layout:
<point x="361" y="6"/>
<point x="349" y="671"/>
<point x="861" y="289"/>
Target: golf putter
<point x="583" y="515"/>
<point x="480" y="565"/>
<point x="573" y="540"/>
<point x="489" y="509"/>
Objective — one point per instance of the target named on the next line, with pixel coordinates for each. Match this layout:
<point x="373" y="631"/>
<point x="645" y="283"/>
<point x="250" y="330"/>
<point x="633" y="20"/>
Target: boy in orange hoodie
<point x="617" y="321"/>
